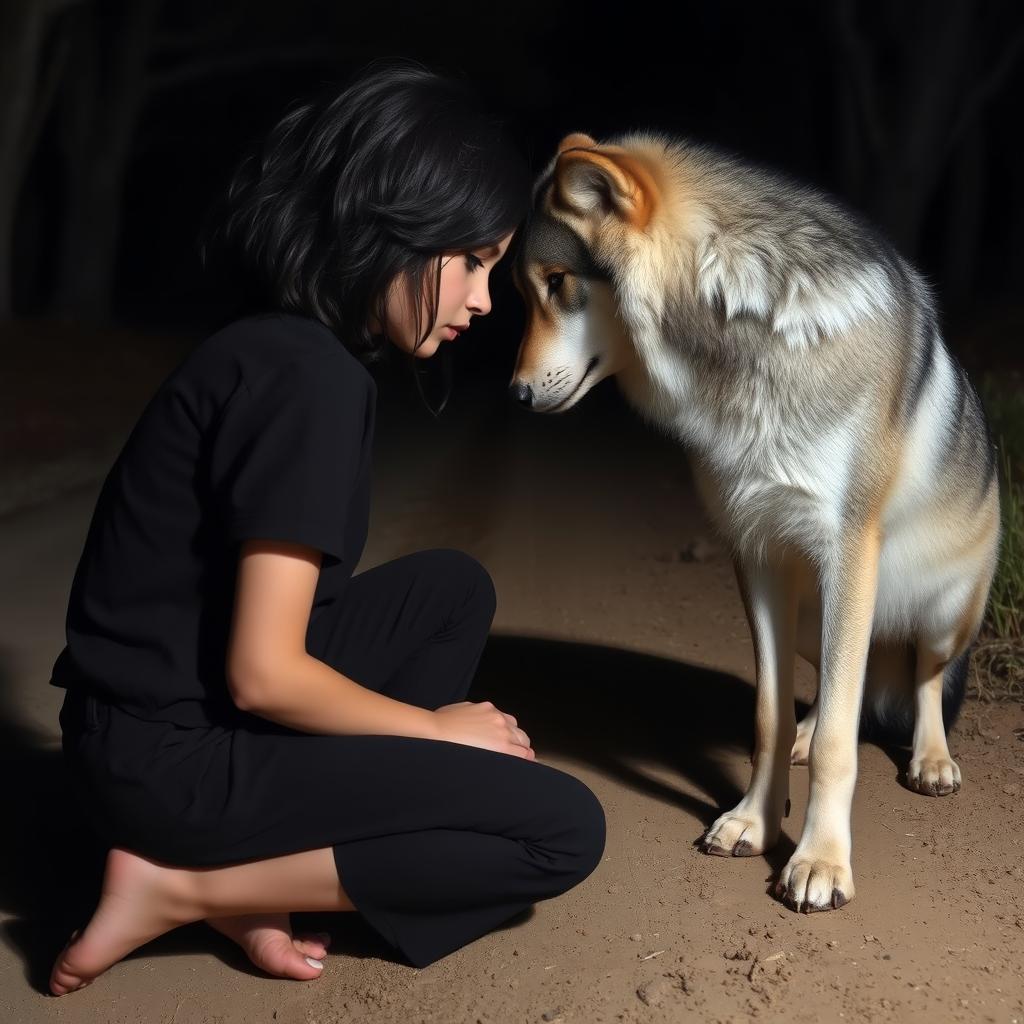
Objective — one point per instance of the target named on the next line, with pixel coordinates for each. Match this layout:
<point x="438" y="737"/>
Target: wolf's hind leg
<point x="804" y="731"/>
<point x="808" y="646"/>
<point x="932" y="771"/>
<point x="752" y="826"/>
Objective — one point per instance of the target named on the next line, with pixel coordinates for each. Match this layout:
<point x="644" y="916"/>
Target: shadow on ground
<point x="609" y="708"/>
<point x="599" y="706"/>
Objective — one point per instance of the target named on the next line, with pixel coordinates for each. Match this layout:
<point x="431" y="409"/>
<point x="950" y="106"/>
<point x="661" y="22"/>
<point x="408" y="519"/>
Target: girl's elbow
<point x="255" y="686"/>
<point x="242" y="694"/>
<point x="246" y="687"/>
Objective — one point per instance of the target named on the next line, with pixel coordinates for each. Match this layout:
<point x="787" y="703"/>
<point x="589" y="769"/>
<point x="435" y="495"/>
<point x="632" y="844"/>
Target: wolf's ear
<point x="577" y="140"/>
<point x="602" y="181"/>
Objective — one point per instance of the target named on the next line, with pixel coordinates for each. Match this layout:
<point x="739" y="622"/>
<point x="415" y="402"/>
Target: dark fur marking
<point x="924" y="366"/>
<point x="551" y="241"/>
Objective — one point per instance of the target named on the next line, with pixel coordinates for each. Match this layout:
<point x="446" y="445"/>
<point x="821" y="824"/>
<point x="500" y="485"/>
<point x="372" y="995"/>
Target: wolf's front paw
<point x="739" y="834"/>
<point x="809" y="884"/>
<point x="934" y="776"/>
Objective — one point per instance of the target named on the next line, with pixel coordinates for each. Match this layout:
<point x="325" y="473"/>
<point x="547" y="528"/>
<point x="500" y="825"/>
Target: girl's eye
<point x="555" y="282"/>
<point x="473" y="261"/>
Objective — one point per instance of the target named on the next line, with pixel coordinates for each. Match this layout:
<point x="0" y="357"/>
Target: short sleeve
<point x="286" y="455"/>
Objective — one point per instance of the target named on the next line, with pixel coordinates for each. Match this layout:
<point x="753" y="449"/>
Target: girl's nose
<point x="480" y="302"/>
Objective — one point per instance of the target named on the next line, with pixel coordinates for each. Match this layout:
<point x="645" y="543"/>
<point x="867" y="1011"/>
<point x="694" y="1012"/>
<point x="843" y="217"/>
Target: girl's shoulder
<point x="261" y="361"/>
<point x="256" y="345"/>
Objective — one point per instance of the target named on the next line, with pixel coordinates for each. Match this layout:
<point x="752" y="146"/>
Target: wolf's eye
<point x="554" y="282"/>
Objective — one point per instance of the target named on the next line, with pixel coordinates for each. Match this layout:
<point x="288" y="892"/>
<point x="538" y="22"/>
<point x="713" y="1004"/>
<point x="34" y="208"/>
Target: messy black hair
<point x="360" y="185"/>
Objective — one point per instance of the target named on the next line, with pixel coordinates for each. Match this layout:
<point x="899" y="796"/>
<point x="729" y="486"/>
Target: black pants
<point x="436" y="843"/>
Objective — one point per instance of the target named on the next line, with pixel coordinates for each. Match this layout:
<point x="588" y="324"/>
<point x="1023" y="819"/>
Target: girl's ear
<point x="598" y="182"/>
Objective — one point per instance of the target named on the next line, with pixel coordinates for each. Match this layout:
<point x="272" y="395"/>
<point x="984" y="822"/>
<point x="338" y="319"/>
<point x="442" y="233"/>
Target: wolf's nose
<point x="520" y="391"/>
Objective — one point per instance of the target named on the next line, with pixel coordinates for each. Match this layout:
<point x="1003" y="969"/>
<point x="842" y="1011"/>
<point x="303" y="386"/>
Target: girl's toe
<point x="62" y="979"/>
<point x="312" y="946"/>
<point x="287" y="959"/>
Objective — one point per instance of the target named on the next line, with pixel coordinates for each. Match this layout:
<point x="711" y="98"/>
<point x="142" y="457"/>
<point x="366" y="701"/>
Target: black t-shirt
<point x="263" y="431"/>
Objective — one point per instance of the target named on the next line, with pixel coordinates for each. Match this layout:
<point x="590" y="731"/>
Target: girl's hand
<point x="483" y="725"/>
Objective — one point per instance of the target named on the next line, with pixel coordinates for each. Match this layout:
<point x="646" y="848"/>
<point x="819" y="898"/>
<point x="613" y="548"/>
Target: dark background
<point x="122" y="120"/>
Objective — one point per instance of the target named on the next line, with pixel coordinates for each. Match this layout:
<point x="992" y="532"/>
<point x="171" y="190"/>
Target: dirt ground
<point x="621" y="645"/>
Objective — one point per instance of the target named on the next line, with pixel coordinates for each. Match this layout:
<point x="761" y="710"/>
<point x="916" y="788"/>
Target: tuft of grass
<point x="998" y="658"/>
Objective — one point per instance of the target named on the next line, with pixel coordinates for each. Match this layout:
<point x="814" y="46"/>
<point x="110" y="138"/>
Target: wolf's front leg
<point x="818" y="875"/>
<point x="752" y="826"/>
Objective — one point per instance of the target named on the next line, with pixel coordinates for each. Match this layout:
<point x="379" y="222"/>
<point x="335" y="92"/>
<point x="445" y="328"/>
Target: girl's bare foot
<point x="140" y="899"/>
<point x="268" y="942"/>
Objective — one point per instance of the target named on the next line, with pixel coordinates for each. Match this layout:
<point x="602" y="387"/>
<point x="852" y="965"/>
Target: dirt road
<point x="621" y="645"/>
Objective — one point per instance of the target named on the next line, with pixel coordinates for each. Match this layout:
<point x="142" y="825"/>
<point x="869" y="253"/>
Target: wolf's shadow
<point x="601" y="707"/>
<point x="609" y="708"/>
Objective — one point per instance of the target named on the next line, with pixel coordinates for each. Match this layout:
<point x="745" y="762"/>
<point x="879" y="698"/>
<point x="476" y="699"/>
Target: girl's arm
<point x="269" y="672"/>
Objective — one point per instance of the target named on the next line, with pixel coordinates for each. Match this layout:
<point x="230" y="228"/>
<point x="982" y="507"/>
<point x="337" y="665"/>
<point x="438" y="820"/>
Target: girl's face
<point x="463" y="295"/>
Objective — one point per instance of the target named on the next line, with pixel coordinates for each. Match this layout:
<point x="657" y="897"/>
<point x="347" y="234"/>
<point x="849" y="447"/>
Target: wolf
<point x="837" y="444"/>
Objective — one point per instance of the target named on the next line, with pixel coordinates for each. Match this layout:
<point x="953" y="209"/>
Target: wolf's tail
<point x="888" y="713"/>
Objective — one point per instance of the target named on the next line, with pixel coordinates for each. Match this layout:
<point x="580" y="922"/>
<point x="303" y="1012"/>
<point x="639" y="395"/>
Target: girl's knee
<point x="589" y="834"/>
<point x="471" y="584"/>
<point x="577" y="830"/>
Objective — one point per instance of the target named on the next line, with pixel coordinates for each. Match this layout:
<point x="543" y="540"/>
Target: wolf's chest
<point x="770" y="471"/>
